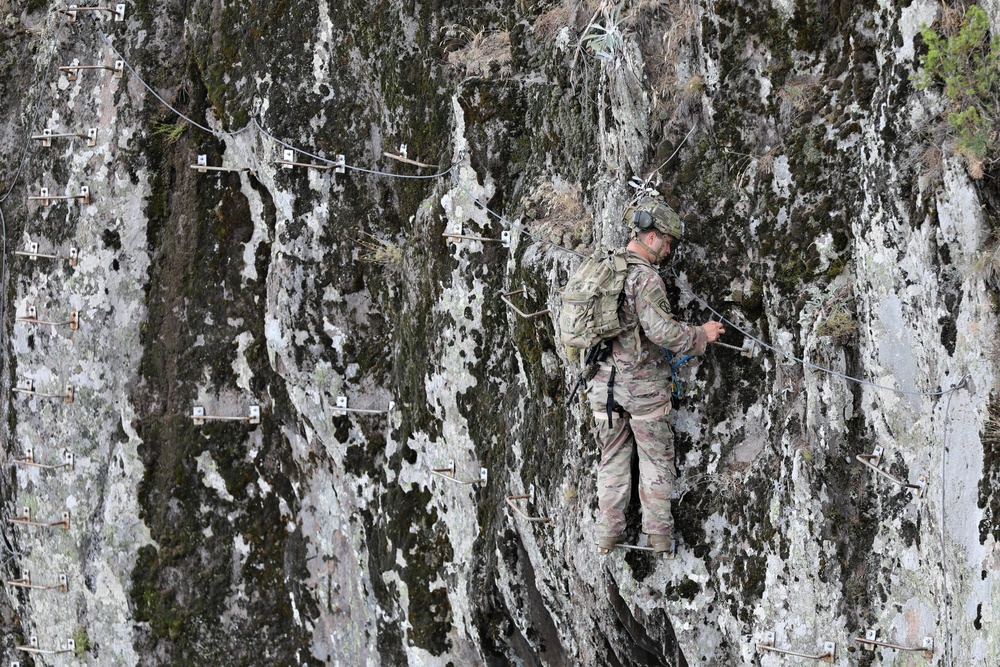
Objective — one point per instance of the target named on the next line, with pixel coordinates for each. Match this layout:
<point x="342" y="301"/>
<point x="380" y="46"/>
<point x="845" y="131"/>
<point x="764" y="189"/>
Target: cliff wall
<point x="834" y="219"/>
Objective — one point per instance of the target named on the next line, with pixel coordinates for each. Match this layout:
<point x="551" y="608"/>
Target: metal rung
<point x="118" y="12"/>
<point x="30" y="390"/>
<point x="25" y="582"/>
<point x="72" y="70"/>
<point x="32" y="318"/>
<point x="199" y="417"/>
<point x="341" y="408"/>
<point x="517" y="310"/>
<point x="48" y="135"/>
<point x="829" y="653"/>
<point x="504" y="239"/>
<point x="69" y="460"/>
<point x="288" y="161"/>
<point x="870" y="642"/>
<point x="203" y="166"/>
<point x="44" y="196"/>
<point x="25" y="520"/>
<point x="749" y="348"/>
<point x="32" y="253"/>
<point x="449" y="474"/>
<point x="872" y="461"/>
<point x="32" y="647"/>
<point x="403" y="158"/>
<point x="530" y="497"/>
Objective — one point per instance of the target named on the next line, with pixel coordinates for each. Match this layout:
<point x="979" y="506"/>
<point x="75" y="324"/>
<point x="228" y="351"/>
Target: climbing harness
<point x="678" y="387"/>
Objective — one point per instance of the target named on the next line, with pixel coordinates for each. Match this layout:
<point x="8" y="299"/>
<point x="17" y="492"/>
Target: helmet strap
<point x="654" y="255"/>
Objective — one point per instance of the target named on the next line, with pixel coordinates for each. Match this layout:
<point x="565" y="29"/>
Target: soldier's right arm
<point x="658" y="323"/>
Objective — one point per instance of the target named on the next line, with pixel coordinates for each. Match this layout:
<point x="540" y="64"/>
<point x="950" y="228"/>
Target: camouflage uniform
<point x="642" y="389"/>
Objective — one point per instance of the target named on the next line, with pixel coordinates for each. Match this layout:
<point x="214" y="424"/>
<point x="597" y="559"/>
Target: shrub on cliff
<point x="962" y="57"/>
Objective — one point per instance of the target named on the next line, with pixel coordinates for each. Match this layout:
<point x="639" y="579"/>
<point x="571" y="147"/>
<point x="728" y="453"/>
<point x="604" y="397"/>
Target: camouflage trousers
<point x="653" y="439"/>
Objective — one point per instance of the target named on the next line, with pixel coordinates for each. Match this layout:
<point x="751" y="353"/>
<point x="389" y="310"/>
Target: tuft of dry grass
<point x="549" y="23"/>
<point x="379" y="251"/>
<point x="483" y="54"/>
<point x="557" y="213"/>
<point x="987" y="265"/>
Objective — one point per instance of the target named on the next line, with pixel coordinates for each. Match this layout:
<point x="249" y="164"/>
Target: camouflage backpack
<point x="591" y="298"/>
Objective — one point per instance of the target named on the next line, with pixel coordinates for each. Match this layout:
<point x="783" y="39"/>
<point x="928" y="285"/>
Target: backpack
<point x="591" y="298"/>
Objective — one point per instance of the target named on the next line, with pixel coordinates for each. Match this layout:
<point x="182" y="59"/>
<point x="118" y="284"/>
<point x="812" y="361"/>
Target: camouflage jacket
<point x="642" y="381"/>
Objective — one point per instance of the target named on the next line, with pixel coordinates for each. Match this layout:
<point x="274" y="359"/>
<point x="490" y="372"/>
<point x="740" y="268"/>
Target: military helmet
<point x="651" y="213"/>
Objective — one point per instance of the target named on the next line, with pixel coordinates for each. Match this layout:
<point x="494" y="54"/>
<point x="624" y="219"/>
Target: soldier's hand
<point x="713" y="330"/>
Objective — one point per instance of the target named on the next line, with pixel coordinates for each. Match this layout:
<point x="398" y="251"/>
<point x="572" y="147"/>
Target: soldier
<point x="635" y="408"/>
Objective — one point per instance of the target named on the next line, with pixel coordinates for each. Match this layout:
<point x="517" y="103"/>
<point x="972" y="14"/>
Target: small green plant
<point x="605" y="41"/>
<point x="81" y="642"/>
<point x="170" y="132"/>
<point x="966" y="62"/>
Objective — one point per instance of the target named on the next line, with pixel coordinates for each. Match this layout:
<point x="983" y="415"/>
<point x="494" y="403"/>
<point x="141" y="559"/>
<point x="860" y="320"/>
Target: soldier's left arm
<point x="658" y="322"/>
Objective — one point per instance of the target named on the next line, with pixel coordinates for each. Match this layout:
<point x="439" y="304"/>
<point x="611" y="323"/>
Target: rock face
<point x="827" y="217"/>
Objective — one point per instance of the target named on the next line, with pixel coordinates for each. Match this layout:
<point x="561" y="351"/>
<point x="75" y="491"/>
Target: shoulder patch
<point x="657" y="298"/>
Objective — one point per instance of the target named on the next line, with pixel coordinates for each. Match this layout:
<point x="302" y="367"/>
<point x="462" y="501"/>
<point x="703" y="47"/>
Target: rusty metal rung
<point x="32" y="253"/>
<point x="26" y="520"/>
<point x="870" y="641"/>
<point x="873" y="460"/>
<point x="517" y="310"/>
<point x="449" y="474"/>
<point x="288" y="161"/>
<point x="530" y="497"/>
<point x="69" y="460"/>
<point x="44" y="196"/>
<point x="118" y="13"/>
<point x="32" y="647"/>
<point x="73" y="322"/>
<point x="30" y="390"/>
<point x="829" y="653"/>
<point x="25" y="582"/>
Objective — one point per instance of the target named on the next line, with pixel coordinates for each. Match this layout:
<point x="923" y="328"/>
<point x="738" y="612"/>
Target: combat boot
<point x="607" y="543"/>
<point x="663" y="544"/>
